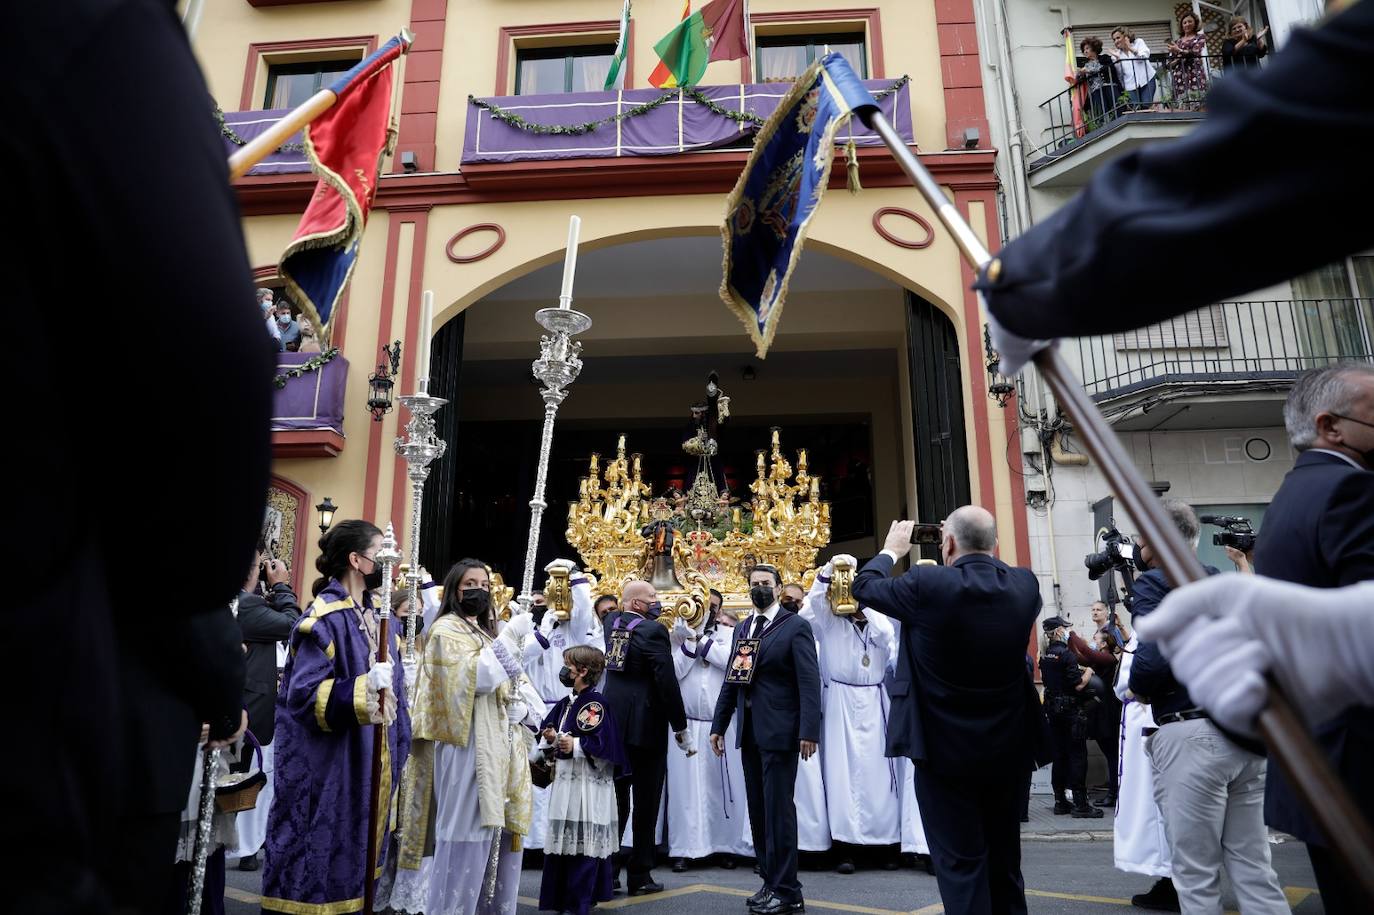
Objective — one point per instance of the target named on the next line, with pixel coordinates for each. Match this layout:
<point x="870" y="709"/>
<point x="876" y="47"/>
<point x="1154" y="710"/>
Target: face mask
<point x="761" y="596"/>
<point x="653" y="610"/>
<point x="791" y="606"/>
<point x="474" y="602"/>
<point x="565" y="676"/>
<point x="538" y="611"/>
<point x="1136" y="558"/>
<point x="283" y="320"/>
<point x="373" y="580"/>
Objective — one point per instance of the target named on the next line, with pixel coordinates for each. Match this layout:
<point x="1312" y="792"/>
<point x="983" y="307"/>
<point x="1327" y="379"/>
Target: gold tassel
<point x="851" y="157"/>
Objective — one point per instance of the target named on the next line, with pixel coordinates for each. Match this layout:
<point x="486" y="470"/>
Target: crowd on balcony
<point x="1129" y="76"/>
<point x="289" y="331"/>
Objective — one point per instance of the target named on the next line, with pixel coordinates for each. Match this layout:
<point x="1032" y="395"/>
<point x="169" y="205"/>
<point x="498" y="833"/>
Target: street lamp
<point x="380" y="383"/>
<point x="999" y="386"/>
<point x="327" y="508"/>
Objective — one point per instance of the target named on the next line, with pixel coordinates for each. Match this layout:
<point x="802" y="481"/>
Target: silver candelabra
<point x="556" y="368"/>
<point x="420" y="447"/>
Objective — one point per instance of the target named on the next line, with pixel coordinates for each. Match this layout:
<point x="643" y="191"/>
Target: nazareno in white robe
<point x="1138" y="842"/>
<point x="863" y="786"/>
<point x="708" y="812"/>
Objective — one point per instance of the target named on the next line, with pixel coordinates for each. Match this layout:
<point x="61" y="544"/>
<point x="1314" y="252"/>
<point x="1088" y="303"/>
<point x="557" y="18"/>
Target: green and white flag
<point x="615" y="78"/>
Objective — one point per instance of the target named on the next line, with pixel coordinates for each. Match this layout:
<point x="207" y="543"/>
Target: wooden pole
<point x="1325" y="797"/>
<point x="386" y="556"/>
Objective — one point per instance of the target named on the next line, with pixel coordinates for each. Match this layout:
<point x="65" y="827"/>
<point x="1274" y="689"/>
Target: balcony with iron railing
<point x="1230" y="362"/>
<point x="1089" y="124"/>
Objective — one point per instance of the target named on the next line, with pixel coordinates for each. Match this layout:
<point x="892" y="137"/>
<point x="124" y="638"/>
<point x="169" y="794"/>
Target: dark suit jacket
<point x="1152" y="203"/>
<point x="1319" y="531"/>
<point x="783" y="703"/>
<point x="645" y="696"/>
<point x="264" y="623"/>
<point x="955" y="716"/>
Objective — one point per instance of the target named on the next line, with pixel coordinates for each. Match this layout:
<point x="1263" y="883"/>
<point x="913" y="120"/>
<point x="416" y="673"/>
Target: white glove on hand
<point x="520" y="626"/>
<point x="685" y="742"/>
<point x="561" y="564"/>
<point x="679" y="633"/>
<point x="852" y="561"/>
<point x="410" y="668"/>
<point x="381" y="676"/>
<point x="1014" y="351"/>
<point x="1221" y="635"/>
<point x="548" y="622"/>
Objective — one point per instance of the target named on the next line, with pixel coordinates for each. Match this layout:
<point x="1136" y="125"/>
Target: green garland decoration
<point x="314" y="364"/>
<point x="514" y="120"/>
<point x="232" y="136"/>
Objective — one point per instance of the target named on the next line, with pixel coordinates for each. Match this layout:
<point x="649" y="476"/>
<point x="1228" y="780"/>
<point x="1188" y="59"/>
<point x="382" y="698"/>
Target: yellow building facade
<point x="878" y="363"/>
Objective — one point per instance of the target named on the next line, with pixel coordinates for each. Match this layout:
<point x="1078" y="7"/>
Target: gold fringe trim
<point x="311" y="908"/>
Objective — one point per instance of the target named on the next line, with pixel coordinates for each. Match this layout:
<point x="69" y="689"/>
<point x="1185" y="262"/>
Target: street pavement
<point x="1067" y="866"/>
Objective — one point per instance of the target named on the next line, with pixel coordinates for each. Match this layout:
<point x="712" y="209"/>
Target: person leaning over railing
<point x="1132" y="56"/>
<point x="1188" y="62"/>
<point x="1244" y="48"/>
<point x="1099" y="73"/>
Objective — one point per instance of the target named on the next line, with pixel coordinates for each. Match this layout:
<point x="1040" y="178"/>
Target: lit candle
<point x="422" y="348"/>
<point x="569" y="263"/>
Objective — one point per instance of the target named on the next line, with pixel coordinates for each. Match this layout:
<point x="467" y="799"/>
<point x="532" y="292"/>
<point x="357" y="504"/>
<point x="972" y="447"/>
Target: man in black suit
<point x="969" y="728"/>
<point x="107" y="766"/>
<point x="1151" y="204"/>
<point x="1319" y="531"/>
<point x="773" y="682"/>
<point x="643" y="695"/>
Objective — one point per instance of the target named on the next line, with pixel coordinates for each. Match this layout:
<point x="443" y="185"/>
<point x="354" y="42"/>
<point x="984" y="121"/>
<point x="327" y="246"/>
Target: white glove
<point x="679" y="633"/>
<point x="381" y="676"/>
<point x="410" y="667"/>
<point x="519" y="626"/>
<point x="685" y="742"/>
<point x="549" y="621"/>
<point x="1223" y="634"/>
<point x="1014" y="351"/>
<point x="561" y="564"/>
<point x="852" y="561"/>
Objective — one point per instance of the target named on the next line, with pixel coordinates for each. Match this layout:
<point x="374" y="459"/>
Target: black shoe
<point x="775" y="906"/>
<point x="1062" y="807"/>
<point x="891" y="864"/>
<point x="758" y="870"/>
<point x="758" y="898"/>
<point x="644" y="889"/>
<point x="845" y="867"/>
<point x="679" y="865"/>
<point x="727" y="862"/>
<point x="615" y="885"/>
<point x="926" y="863"/>
<point x="250" y="863"/>
<point x="1106" y="801"/>
<point x="1087" y="813"/>
<point x="1162" y="897"/>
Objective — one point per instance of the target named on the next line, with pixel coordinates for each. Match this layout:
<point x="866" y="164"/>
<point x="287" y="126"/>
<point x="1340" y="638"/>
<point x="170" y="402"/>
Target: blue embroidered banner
<point x="767" y="214"/>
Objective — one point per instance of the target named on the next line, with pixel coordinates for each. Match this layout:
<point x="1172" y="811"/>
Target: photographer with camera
<point x="1208" y="789"/>
<point x="1103" y="657"/>
<point x="1068" y="705"/>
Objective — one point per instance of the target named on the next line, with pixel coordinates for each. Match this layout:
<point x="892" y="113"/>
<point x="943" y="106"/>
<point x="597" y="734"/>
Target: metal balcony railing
<point x="1271" y="340"/>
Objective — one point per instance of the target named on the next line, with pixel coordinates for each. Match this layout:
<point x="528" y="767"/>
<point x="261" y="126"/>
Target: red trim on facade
<point x="399" y="479"/>
<point x="509" y="33"/>
<point x="890" y="238"/>
<point x="303" y="525"/>
<point x="374" y="429"/>
<point x="961" y="73"/>
<point x="480" y="255"/>
<point x="873" y="37"/>
<point x="578" y="179"/>
<point x="257" y="49"/>
<point x="306" y="443"/>
<point x="419" y="114"/>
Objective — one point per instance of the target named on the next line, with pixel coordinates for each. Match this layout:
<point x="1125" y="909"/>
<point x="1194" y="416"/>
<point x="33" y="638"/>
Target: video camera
<point x="1111" y="556"/>
<point x="1238" y="533"/>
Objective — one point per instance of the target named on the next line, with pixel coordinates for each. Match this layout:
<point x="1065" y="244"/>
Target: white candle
<point x="422" y="345"/>
<point x="570" y="263"/>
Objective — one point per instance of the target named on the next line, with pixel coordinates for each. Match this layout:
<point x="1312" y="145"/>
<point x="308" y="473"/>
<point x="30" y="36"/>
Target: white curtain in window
<point x="779" y="63"/>
<point x="1329" y="324"/>
<point x="589" y="73"/>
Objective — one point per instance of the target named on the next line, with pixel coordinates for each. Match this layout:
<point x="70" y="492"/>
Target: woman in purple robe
<point x="327" y="717"/>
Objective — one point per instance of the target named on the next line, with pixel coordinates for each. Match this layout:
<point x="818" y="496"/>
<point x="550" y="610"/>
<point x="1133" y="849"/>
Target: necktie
<point x="759" y="622"/>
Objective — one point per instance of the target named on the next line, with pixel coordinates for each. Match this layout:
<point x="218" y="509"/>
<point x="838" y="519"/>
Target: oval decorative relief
<point x="902" y="242"/>
<point x="485" y="252"/>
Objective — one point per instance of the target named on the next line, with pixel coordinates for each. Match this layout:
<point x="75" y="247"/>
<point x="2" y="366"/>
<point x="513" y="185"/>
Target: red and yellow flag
<point x="1079" y="89"/>
<point x="662" y="77"/>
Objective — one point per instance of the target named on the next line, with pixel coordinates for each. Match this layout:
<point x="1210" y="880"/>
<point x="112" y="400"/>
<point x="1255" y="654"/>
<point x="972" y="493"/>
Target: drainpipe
<point x="191" y="19"/>
<point x="997" y="41"/>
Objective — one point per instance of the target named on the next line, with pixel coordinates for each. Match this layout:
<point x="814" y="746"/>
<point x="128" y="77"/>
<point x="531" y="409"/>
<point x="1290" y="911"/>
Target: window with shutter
<point x="1201" y="329"/>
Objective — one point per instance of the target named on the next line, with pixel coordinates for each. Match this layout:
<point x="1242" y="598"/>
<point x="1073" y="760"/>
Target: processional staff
<point x="387" y="556"/>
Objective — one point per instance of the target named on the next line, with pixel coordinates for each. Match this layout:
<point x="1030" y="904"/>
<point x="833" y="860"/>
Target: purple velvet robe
<point x="317" y="827"/>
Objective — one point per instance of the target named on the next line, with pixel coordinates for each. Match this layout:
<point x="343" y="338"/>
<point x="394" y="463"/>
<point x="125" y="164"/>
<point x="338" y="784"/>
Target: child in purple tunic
<point x="581" y="739"/>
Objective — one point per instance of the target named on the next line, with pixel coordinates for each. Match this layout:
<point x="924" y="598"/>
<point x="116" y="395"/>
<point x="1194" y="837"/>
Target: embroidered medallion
<point x="589" y="718"/>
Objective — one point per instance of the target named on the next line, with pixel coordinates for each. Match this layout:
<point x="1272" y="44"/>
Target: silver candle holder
<point x="420" y="447"/>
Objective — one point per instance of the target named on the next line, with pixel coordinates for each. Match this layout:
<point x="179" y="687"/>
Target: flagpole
<point x="1323" y="794"/>
<point x="266" y="143"/>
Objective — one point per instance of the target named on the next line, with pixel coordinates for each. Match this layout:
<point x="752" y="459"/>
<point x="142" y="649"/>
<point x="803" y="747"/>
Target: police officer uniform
<point x="1065" y="707"/>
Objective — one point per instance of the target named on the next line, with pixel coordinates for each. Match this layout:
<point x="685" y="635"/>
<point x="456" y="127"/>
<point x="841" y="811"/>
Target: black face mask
<point x="1137" y="559"/>
<point x="538" y="611"/>
<point x="761" y="596"/>
<point x="373" y="580"/>
<point x="791" y="606"/>
<point x="653" y="610"/>
<point x="475" y="602"/>
<point x="565" y="676"/>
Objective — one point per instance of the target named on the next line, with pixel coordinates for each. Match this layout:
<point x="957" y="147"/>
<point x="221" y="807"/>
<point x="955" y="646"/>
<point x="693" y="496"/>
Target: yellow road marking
<point x="1296" y="894"/>
<point x="242" y="895"/>
<point x="1077" y="897"/>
